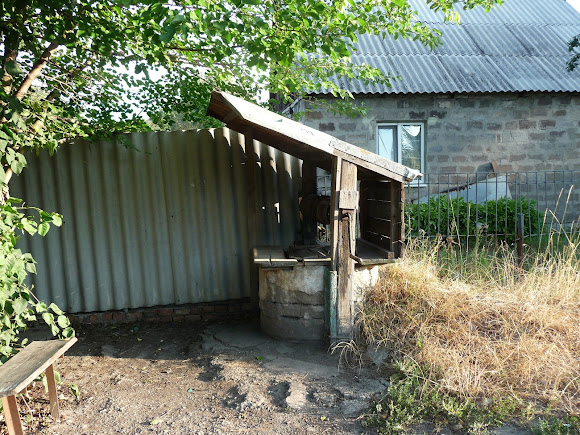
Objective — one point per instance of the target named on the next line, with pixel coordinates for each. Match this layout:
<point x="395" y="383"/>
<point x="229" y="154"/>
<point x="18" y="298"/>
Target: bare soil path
<point x="198" y="379"/>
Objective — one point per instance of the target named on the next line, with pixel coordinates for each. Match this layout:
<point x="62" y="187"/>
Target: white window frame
<point x="399" y="148"/>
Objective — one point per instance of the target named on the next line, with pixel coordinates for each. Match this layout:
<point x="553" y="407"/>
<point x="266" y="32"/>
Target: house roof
<point x="516" y="47"/>
<point x="301" y="141"/>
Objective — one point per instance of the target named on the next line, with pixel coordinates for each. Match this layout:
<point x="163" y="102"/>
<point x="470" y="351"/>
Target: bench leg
<point x="11" y="415"/>
<point x="52" y="391"/>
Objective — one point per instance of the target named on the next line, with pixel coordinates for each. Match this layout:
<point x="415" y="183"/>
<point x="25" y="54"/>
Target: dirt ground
<point x="198" y="379"/>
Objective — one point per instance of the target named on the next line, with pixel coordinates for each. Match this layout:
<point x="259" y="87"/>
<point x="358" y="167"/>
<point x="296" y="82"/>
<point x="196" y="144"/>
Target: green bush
<point x="457" y="217"/>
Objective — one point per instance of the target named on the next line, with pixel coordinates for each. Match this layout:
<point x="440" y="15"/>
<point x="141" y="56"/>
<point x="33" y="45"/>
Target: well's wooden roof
<point x="301" y="141"/>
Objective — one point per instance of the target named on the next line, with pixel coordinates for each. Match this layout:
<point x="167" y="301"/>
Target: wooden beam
<point x="335" y="212"/>
<point x="346" y="249"/>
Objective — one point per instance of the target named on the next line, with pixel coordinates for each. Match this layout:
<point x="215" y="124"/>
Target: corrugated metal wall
<point x="162" y="225"/>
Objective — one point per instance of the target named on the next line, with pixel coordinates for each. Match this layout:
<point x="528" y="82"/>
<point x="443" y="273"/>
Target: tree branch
<point x="36" y="70"/>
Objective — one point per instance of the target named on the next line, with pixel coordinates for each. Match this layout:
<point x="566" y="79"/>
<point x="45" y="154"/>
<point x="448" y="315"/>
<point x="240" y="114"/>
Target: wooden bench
<point x="20" y="370"/>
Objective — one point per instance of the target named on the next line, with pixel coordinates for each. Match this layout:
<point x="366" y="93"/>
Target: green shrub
<point x="457" y="217"/>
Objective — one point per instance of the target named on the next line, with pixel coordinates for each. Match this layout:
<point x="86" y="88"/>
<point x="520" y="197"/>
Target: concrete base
<point x="292" y="300"/>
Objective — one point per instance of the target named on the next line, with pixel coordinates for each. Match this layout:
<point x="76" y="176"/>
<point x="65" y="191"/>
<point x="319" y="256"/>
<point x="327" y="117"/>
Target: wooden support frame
<point x="343" y="242"/>
<point x="22" y="369"/>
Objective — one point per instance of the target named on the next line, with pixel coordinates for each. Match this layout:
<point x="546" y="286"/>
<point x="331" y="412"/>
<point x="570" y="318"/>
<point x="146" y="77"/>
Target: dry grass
<point x="483" y="327"/>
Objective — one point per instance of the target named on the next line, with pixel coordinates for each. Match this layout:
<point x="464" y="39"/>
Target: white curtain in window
<point x="411" y="146"/>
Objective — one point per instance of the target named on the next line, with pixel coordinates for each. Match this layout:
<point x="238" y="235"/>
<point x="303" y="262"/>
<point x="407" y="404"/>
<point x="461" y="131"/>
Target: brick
<point x="192" y="318"/>
<point x="458" y="159"/>
<point x="221" y="308"/>
<point x="437" y="114"/>
<point x="505" y="168"/>
<point x="453" y="127"/>
<point x="94" y="318"/>
<point x="119" y="317"/>
<point x="196" y="310"/>
<point x="147" y="314"/>
<point x="208" y="308"/>
<point x="556" y="134"/>
<point x="466" y="103"/>
<point x="313" y="115"/>
<point x="538" y="111"/>
<point x="417" y="115"/>
<point x="470" y="168"/>
<point x="403" y="104"/>
<point x="165" y="312"/>
<point x="565" y="101"/>
<point x="181" y="311"/>
<point x="106" y="317"/>
<point x="493" y="126"/>
<point x="442" y="159"/>
<point x="544" y="101"/>
<point x="134" y="316"/>
<point x="164" y="319"/>
<point x="328" y="126"/>
<point x="517" y="157"/>
<point x="545" y="123"/>
<point x="537" y="136"/>
<point x="560" y="113"/>
<point x="484" y="103"/>
<point x="178" y="319"/>
<point x="526" y="124"/>
<point x="152" y="319"/>
<point x="448" y="169"/>
<point x="348" y="126"/>
<point x="511" y="125"/>
<point x="475" y="124"/>
<point x="234" y="307"/>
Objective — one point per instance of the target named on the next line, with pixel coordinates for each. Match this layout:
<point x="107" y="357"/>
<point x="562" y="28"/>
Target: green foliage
<point x="412" y="399"/>
<point x="18" y="305"/>
<point x="456" y="217"/>
<point x="557" y="426"/>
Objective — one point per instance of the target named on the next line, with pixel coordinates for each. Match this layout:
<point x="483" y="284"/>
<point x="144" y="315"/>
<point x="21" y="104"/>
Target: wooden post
<point x="252" y="208"/>
<point x="344" y="239"/>
<point x="52" y="395"/>
<point x="309" y="226"/>
<point x="335" y="217"/>
<point x="11" y="415"/>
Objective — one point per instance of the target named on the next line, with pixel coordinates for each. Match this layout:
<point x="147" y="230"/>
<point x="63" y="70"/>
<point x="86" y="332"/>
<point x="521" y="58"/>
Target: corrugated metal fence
<point x="162" y="225"/>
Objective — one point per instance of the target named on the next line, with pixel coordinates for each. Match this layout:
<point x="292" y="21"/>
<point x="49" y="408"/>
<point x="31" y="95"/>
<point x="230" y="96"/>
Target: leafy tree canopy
<point x="87" y="68"/>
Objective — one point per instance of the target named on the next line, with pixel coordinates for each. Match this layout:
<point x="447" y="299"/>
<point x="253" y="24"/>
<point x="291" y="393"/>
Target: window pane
<point x="387" y="142"/>
<point x="411" y="146"/>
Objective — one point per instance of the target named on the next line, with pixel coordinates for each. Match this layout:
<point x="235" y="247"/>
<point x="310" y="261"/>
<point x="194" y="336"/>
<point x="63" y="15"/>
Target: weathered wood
<point x="348" y="199"/>
<point x="363" y="206"/>
<point x="24" y="367"/>
<point x="335" y="212"/>
<point x="52" y="396"/>
<point x="366" y="249"/>
<point x="297" y="139"/>
<point x="309" y="224"/>
<point x="398" y="190"/>
<point x="379" y="190"/>
<point x="272" y="256"/>
<point x="379" y="225"/>
<point x="11" y="415"/>
<point x="379" y="208"/>
<point x="378" y="239"/>
<point x="346" y="248"/>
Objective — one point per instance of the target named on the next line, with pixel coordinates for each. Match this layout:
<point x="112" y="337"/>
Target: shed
<point x="360" y="180"/>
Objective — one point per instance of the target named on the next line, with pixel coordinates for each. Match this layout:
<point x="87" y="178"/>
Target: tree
<point x="93" y="68"/>
<point x="574" y="48"/>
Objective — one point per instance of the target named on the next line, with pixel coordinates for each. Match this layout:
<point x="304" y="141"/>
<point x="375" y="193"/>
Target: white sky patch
<point x="575" y="4"/>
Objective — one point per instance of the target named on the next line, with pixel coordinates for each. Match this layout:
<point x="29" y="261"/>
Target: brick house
<point x="496" y="89"/>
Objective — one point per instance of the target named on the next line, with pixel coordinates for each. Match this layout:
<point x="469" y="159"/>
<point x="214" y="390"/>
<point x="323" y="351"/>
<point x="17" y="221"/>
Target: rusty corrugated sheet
<point x="516" y="47"/>
<point x="162" y="225"/>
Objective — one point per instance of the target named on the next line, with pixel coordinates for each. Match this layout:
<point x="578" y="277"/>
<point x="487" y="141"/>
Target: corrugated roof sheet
<point x="517" y="47"/>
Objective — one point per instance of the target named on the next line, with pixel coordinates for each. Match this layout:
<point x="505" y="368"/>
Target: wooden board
<point x="24" y="367"/>
<point x="272" y="256"/>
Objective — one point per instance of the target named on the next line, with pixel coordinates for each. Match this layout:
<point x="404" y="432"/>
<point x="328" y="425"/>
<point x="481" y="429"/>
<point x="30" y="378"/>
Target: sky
<point x="575" y="3"/>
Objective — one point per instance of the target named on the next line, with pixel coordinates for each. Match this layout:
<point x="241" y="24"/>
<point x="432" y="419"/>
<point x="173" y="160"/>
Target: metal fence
<point x="506" y="205"/>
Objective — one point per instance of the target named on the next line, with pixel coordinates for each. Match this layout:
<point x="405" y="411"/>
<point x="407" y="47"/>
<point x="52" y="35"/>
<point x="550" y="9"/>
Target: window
<point x="402" y="143"/>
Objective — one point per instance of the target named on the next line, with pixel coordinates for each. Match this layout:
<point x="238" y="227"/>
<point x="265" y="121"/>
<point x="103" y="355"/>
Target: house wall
<point x="165" y="224"/>
<point x="521" y="132"/>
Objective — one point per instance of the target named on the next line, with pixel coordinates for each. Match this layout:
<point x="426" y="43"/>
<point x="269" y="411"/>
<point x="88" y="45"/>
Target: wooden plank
<point x="346" y="248"/>
<point x="309" y="224"/>
<point x="25" y="366"/>
<point x="398" y="217"/>
<point x="335" y="212"/>
<point x="348" y="199"/>
<point x="317" y="261"/>
<point x="52" y="396"/>
<point x="380" y="225"/>
<point x="378" y="239"/>
<point x="375" y="261"/>
<point x="366" y="249"/>
<point x="11" y="415"/>
<point x="379" y="190"/>
<point x="379" y="208"/>
<point x="272" y="256"/>
<point x="363" y="206"/>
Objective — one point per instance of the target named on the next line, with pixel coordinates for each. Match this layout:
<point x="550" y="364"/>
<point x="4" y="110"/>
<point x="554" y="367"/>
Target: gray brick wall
<point x="521" y="132"/>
